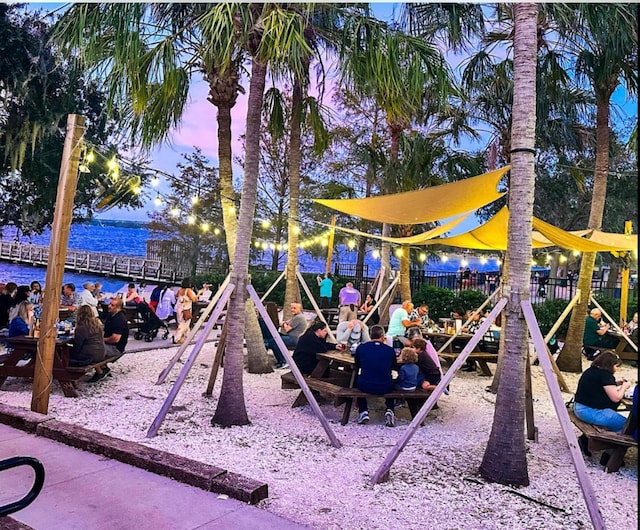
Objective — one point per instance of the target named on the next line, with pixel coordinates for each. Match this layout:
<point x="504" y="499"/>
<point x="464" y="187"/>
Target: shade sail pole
<point x="67" y="184"/>
<point x="624" y="284"/>
<point x="332" y="234"/>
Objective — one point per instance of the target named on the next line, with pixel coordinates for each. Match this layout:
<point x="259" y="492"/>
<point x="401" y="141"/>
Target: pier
<point x="98" y="263"/>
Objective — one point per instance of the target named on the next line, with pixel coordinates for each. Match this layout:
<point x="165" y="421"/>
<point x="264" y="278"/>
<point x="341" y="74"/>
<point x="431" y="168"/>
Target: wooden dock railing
<point x="100" y="263"/>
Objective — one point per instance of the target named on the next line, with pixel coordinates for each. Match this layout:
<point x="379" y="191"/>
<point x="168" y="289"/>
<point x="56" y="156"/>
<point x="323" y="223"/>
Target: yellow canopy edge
<point x="418" y="239"/>
<point x="426" y="205"/>
<point x="492" y="235"/>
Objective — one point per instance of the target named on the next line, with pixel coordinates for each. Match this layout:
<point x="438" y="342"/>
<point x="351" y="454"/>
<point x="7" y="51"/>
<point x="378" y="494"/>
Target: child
<point x="409" y="375"/>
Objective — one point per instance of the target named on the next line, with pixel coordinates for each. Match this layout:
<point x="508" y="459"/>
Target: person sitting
<point x="21" y="316"/>
<point x="351" y="334"/>
<point x="431" y="372"/>
<point x="367" y="307"/>
<point x="409" y="374"/>
<point x="272" y="312"/>
<point x="68" y="300"/>
<point x="6" y="302"/>
<point x="595" y="333"/>
<point x="205" y="294"/>
<point x="348" y="302"/>
<point x="598" y="395"/>
<point x="312" y="342"/>
<point x="292" y="329"/>
<point x="88" y="339"/>
<point x="85" y="297"/>
<point x="421" y="313"/>
<point x="374" y="361"/>
<point x="132" y="297"/>
<point x="116" y="336"/>
<point x="98" y="293"/>
<point x="35" y="294"/>
<point x="400" y="323"/>
<point x="476" y="319"/>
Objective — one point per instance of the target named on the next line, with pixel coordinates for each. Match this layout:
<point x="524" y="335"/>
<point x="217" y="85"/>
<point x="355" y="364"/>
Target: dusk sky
<point x="199" y="128"/>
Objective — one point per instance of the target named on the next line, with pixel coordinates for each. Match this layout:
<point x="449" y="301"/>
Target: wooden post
<point x="67" y="183"/>
<point x="624" y="284"/>
<point x="332" y="233"/>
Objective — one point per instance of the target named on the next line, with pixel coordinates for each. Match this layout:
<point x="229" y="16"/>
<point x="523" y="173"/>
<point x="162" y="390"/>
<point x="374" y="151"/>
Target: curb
<point x="204" y="476"/>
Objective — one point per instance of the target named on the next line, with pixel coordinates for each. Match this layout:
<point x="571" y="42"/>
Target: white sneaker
<point x="390" y="417"/>
<point x="363" y="418"/>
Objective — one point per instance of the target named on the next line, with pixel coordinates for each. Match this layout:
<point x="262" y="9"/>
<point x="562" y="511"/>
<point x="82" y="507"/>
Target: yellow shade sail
<point x="427" y="205"/>
<point x="418" y="239"/>
<point x="493" y="235"/>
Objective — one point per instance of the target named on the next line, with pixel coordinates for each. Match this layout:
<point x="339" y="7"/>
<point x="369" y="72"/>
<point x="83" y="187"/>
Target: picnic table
<point x="20" y="361"/>
<point x="335" y="376"/>
<point x="450" y="354"/>
<point x="621" y="348"/>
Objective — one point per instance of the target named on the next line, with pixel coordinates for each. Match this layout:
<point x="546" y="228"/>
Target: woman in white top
<point x="184" y="310"/>
<point x="164" y="310"/>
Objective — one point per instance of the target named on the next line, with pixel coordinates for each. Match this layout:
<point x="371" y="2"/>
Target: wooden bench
<point x="600" y="439"/>
<point x="344" y="395"/>
<point x="21" y="361"/>
<point x="482" y="358"/>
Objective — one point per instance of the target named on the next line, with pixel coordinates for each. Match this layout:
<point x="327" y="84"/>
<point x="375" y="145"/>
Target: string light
<point x="422" y="257"/>
<point x="155" y="182"/>
<point x="157" y="201"/>
<point x="444" y="258"/>
<point x="191" y="219"/>
<point x="216" y="231"/>
<point x="91" y="157"/>
<point x="464" y="262"/>
<point x="195" y="199"/>
<point x="351" y="244"/>
<point x="204" y="227"/>
<point x="576" y="252"/>
<point x="562" y="258"/>
<point x="175" y="212"/>
<point x="265" y="223"/>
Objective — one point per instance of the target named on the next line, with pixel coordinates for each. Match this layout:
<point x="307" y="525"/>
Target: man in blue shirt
<point x="374" y="362"/>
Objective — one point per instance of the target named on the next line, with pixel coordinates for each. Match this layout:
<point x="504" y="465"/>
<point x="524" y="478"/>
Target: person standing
<point x="348" y="302"/>
<point x="374" y="361"/>
<point x="326" y="290"/>
<point x="184" y="310"/>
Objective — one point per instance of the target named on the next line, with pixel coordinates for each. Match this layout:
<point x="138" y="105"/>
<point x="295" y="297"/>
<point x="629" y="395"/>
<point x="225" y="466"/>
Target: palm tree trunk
<point x="505" y="459"/>
<point x="231" y="409"/>
<point x="258" y="361"/>
<point x="570" y="357"/>
<point x="292" y="290"/>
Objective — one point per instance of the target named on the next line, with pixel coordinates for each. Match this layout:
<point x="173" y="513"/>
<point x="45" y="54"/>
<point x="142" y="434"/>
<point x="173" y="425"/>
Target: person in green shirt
<point x="326" y="290"/>
<point x="595" y="331"/>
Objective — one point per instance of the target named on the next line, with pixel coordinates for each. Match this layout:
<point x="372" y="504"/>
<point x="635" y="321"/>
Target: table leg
<point x="68" y="388"/>
<point x="484" y="367"/>
<point x="318" y="373"/>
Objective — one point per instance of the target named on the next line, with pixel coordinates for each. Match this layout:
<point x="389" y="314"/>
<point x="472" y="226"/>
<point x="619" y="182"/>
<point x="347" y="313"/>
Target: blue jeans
<point x="607" y="418"/>
<point x="270" y="344"/>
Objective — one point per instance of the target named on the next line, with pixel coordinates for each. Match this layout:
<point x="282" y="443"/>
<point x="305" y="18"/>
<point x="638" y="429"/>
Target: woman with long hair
<point x="20" y="317"/>
<point x="88" y="340"/>
<point x="184" y="310"/>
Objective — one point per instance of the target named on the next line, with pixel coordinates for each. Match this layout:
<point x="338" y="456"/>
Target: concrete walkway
<point x="83" y="490"/>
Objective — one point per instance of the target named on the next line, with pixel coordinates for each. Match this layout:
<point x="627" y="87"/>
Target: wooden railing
<point x="99" y="263"/>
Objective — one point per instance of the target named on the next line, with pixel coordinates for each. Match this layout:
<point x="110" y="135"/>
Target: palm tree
<point x="604" y="41"/>
<point x="150" y="80"/>
<point x="397" y="71"/>
<point x="505" y="459"/>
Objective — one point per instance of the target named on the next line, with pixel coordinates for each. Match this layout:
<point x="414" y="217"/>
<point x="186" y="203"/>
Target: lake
<point x="131" y="238"/>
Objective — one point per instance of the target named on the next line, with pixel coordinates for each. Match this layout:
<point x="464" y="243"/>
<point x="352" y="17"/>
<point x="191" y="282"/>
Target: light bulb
<point x="216" y="231"/>
<point x="157" y="201"/>
<point x="194" y="199"/>
<point x="422" y="257"/>
<point x="265" y="223"/>
<point x="191" y="219"/>
<point x="175" y="212"/>
<point x="204" y="227"/>
<point x="155" y="182"/>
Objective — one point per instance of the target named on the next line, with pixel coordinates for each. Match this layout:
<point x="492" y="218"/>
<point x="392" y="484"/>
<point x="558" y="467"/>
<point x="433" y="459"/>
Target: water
<point x="130" y="239"/>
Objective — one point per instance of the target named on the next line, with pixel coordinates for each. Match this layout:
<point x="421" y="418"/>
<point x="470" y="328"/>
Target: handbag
<point x="186" y="314"/>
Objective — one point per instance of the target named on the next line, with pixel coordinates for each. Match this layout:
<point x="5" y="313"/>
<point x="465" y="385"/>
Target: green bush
<point x="440" y="301"/>
<point x="548" y="312"/>
<point x="469" y="299"/>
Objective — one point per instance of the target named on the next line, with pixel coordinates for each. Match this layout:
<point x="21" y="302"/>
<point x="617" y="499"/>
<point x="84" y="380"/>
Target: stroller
<point x="149" y="323"/>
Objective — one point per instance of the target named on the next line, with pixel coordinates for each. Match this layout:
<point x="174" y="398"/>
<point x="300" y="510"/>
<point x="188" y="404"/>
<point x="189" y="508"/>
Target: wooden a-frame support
<point x="382" y="474"/>
<point x="615" y="324"/>
<point x="192" y="332"/>
<point x="217" y="310"/>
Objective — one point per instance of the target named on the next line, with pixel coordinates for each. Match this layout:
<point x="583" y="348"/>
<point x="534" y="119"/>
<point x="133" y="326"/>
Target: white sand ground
<point x="434" y="482"/>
